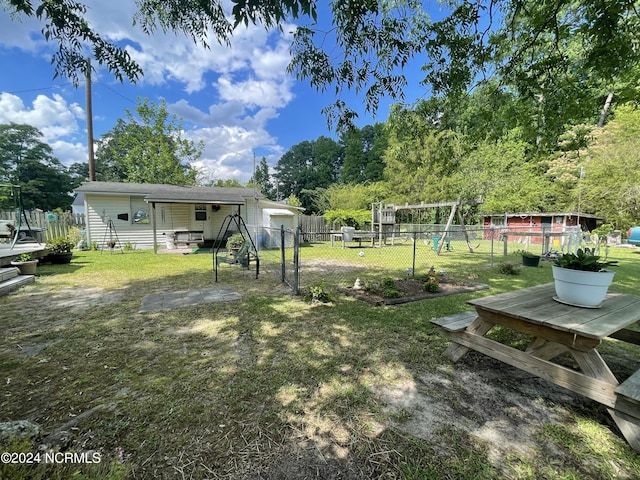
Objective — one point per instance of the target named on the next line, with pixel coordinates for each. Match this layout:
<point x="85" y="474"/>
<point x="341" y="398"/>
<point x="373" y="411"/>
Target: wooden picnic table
<point x="556" y="328"/>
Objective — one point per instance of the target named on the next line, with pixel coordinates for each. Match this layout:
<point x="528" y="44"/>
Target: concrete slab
<point x="187" y="298"/>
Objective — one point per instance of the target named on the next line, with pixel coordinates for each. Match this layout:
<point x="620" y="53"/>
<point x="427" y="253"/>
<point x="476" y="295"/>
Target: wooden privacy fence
<point x="50" y="224"/>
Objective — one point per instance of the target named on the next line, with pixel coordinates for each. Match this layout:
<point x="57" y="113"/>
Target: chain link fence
<point x="338" y="259"/>
<point x="303" y="259"/>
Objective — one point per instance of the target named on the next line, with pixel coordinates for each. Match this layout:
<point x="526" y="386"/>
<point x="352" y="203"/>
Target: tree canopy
<point x="147" y="148"/>
<point x="26" y="160"/>
<point x="545" y="49"/>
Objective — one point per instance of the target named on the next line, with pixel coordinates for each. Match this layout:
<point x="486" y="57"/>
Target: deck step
<point x="7" y="273"/>
<point x="15" y="282"/>
<point x="457" y="321"/>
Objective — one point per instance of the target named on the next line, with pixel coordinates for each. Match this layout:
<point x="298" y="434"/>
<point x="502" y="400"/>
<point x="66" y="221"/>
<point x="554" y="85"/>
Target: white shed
<point x="273" y="219"/>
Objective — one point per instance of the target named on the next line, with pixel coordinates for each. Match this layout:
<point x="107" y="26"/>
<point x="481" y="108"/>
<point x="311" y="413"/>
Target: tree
<point x="262" y="178"/>
<point x="27" y="161"/>
<point x="421" y="159"/>
<point x="363" y="156"/>
<point x="147" y="149"/>
<point x="611" y="184"/>
<point x="307" y="166"/>
<point x="367" y="43"/>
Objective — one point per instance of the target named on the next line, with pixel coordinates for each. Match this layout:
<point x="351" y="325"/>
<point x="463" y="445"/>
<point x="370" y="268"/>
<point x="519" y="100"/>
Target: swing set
<point x="8" y="228"/>
<point x="383" y="216"/>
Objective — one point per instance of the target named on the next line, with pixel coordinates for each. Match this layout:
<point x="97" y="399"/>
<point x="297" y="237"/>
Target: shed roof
<point x="543" y="214"/>
<point x="161" y="193"/>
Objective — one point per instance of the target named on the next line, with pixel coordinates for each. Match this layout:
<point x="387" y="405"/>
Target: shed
<point x="273" y="219"/>
<point x="533" y="225"/>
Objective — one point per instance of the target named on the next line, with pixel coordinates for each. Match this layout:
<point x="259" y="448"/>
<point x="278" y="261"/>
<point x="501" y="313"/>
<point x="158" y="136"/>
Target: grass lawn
<point x="274" y="387"/>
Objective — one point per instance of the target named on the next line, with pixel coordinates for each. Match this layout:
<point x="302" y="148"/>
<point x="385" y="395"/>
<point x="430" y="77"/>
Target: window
<point x="139" y="211"/>
<point x="201" y="213"/>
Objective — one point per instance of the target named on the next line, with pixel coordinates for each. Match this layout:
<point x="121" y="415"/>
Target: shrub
<point x="387" y="282"/>
<point x="235" y="241"/>
<point x="509" y="268"/>
<point x="390" y="293"/>
<point x="317" y="293"/>
<point x="59" y="245"/>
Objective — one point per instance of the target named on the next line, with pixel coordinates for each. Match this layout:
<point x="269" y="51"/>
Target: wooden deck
<point x="7" y="254"/>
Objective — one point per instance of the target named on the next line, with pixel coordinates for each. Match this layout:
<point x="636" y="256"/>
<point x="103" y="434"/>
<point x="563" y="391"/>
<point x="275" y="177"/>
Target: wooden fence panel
<point x="51" y="224"/>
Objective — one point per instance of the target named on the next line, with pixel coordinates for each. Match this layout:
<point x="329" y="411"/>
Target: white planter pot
<point x="583" y="289"/>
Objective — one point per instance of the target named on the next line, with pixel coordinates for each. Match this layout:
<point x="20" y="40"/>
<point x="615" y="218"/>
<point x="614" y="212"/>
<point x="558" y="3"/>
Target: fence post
<point x="282" y="254"/>
<point x="413" y="265"/>
<point x="296" y="260"/>
<point x="492" y="230"/>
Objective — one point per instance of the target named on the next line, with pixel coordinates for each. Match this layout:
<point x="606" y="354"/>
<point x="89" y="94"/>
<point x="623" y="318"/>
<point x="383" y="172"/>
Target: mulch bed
<point x="411" y="290"/>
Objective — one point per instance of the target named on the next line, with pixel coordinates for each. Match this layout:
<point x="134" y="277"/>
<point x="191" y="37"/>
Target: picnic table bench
<point x="554" y="329"/>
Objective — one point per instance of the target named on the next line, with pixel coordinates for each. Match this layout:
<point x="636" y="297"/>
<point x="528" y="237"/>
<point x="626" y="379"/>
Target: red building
<point x="532" y="227"/>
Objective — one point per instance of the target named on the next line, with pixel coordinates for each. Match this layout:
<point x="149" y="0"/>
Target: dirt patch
<point x="410" y="290"/>
<point x="502" y="407"/>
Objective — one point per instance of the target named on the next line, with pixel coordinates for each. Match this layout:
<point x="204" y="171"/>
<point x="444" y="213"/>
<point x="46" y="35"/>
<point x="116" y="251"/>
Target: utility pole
<point x="89" y="108"/>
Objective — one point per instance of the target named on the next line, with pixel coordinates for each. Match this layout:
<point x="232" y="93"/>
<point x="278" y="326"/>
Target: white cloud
<point x="15" y="31"/>
<point x="247" y="86"/>
<point x="53" y="116"/>
<point x="69" y="153"/>
<point x="261" y="93"/>
<point x="229" y="150"/>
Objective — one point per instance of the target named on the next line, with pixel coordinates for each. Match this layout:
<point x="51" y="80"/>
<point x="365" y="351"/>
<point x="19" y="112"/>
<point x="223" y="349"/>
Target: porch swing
<point x="247" y="252"/>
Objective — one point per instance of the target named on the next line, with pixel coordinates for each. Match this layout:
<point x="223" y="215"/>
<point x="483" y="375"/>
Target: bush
<point x="317" y="293"/>
<point x="387" y="283"/>
<point x="235" y="241"/>
<point x="390" y="293"/>
<point x="59" y="245"/>
<point x="509" y="268"/>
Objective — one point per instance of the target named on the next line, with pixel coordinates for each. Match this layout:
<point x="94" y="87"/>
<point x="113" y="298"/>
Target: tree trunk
<point x="605" y="110"/>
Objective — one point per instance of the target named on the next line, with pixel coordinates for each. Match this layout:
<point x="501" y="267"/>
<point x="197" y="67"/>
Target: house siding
<point x="111" y="201"/>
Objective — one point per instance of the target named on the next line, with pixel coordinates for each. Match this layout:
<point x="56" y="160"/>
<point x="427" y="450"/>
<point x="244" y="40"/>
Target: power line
<point x="15" y="92"/>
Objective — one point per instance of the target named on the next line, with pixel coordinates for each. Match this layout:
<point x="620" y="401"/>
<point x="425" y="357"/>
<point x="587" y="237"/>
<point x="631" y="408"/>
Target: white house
<point x="152" y="215"/>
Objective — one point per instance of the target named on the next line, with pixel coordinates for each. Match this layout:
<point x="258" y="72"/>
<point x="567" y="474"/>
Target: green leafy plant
<point x="24" y="257"/>
<point x="390" y="293"/>
<point x="387" y="282"/>
<point x="317" y="293"/>
<point x="59" y="245"/>
<point x="509" y="268"/>
<point x="525" y="253"/>
<point x="583" y="261"/>
<point x="235" y="241"/>
<point x="432" y="285"/>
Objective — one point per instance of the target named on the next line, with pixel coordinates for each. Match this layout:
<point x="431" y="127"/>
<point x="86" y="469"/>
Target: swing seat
<point x="242" y="257"/>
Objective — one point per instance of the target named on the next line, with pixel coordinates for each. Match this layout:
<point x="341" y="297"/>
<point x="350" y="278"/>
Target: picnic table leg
<point x="455" y="351"/>
<point x="629" y="427"/>
<point x="593" y="365"/>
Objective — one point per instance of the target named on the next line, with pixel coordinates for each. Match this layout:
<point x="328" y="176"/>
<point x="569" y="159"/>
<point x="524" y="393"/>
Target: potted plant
<point x="581" y="279"/>
<point x="59" y="250"/>
<point x="529" y="259"/>
<point x="26" y="264"/>
<point x="234" y="242"/>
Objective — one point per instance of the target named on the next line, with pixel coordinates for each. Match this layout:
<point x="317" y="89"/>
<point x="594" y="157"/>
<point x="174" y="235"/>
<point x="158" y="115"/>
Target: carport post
<point x="296" y="261"/>
<point x="282" y="253"/>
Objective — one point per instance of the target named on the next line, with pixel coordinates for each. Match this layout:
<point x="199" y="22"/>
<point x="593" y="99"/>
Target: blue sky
<point x="238" y="101"/>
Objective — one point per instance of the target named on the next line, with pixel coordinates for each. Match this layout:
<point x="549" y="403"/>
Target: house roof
<point x="160" y="193"/>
